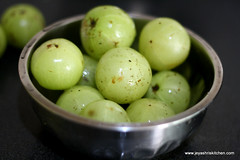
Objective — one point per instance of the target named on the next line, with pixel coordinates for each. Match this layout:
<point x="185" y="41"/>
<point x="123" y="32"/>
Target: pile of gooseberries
<point x="109" y="80"/>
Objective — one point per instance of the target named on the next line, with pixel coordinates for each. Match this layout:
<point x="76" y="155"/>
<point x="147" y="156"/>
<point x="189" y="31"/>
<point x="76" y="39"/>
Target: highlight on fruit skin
<point x="165" y="43"/>
<point x="88" y="76"/>
<point x="105" y="27"/>
<point x="172" y="88"/>
<point x="148" y="110"/>
<point x="123" y="75"/>
<point x="105" y="111"/>
<point x="57" y="64"/>
<point x="77" y="97"/>
<point x="130" y="85"/>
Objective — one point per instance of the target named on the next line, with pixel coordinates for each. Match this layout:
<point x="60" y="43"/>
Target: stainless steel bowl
<point x="123" y="140"/>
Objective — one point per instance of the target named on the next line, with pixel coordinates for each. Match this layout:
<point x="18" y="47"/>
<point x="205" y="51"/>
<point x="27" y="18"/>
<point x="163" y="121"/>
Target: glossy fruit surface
<point x="123" y="75"/>
<point x="76" y="98"/>
<point x="105" y="111"/>
<point x="106" y="27"/>
<point x="148" y="110"/>
<point x="165" y="43"/>
<point x="88" y="76"/>
<point x="172" y="88"/>
<point x="57" y="64"/>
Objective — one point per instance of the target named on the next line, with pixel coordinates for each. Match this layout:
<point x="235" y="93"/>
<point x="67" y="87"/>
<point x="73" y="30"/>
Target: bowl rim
<point x="53" y="108"/>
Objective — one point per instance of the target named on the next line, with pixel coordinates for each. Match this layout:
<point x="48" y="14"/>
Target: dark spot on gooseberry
<point x="93" y="22"/>
<point x="129" y="60"/>
<point x="114" y="80"/>
<point x="49" y="45"/>
<point x="75" y="108"/>
<point x="13" y="13"/>
<point x="155" y="88"/>
<point x="22" y="11"/>
<point x="91" y="113"/>
<point x="115" y="44"/>
<point x="150" y="41"/>
<point x="91" y="50"/>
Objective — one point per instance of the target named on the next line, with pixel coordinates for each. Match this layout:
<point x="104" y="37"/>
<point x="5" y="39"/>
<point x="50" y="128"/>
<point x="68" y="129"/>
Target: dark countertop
<point x="218" y="22"/>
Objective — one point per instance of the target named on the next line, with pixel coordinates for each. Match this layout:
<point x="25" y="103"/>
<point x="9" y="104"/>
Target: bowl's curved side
<point x="125" y="144"/>
<point x="117" y="141"/>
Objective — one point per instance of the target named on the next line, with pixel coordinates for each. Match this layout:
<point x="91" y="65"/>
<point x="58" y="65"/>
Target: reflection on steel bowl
<point x="123" y="140"/>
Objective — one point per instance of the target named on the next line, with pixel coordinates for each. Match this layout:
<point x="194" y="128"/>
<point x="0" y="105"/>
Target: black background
<point x="218" y="22"/>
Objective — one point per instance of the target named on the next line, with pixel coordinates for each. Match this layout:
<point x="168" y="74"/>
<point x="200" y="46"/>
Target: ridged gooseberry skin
<point x="77" y="97"/>
<point x="105" y="111"/>
<point x="57" y="64"/>
<point x="148" y="110"/>
<point x="165" y="43"/>
<point x="171" y="88"/>
<point x="21" y="22"/>
<point x="106" y="27"/>
<point x="123" y="75"/>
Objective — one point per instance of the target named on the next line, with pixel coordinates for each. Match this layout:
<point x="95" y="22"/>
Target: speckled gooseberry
<point x="148" y="110"/>
<point x="21" y="22"/>
<point x="57" y="64"/>
<point x="77" y="97"/>
<point x="123" y="75"/>
<point x="165" y="43"/>
<point x="171" y="88"/>
<point x="105" y="27"/>
<point x="105" y="111"/>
